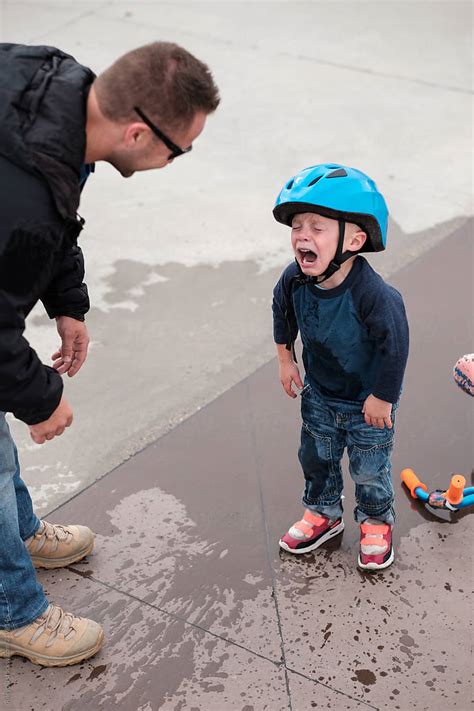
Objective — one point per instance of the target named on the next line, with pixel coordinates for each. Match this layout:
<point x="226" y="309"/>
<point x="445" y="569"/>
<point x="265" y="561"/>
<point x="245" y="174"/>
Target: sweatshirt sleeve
<point x="383" y="313"/>
<point x="285" y="327"/>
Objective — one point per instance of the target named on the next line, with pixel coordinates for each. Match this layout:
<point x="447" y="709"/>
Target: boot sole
<point x="46" y="661"/>
<point x="51" y="563"/>
<point x="325" y="537"/>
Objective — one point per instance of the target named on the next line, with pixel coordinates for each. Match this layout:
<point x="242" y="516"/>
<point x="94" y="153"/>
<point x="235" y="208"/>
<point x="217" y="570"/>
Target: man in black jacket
<point x="56" y="120"/>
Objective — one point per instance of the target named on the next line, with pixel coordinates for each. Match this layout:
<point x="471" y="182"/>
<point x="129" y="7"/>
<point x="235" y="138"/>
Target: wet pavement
<point x="203" y="612"/>
<point x="177" y="259"/>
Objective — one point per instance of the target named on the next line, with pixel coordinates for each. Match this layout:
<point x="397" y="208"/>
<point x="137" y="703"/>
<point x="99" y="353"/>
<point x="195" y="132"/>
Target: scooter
<point x="456" y="497"/>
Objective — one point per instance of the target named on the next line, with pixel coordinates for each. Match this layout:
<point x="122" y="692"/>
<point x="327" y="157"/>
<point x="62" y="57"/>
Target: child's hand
<point x="289" y="374"/>
<point x="377" y="412"/>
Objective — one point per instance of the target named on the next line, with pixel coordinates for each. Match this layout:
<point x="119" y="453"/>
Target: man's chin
<point x="124" y="172"/>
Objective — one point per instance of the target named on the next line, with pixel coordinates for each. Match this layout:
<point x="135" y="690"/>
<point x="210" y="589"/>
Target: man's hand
<point x="377" y="412"/>
<point x="289" y="374"/>
<point x="54" y="426"/>
<point x="72" y="352"/>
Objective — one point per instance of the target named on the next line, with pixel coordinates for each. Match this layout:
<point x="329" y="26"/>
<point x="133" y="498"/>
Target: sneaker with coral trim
<point x="376" y="550"/>
<point x="54" y="545"/>
<point x="55" y="639"/>
<point x="311" y="532"/>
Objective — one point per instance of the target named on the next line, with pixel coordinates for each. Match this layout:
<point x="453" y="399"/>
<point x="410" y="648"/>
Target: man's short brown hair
<point x="164" y="80"/>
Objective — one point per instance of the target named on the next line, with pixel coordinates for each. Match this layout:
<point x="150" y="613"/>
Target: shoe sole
<point x="376" y="566"/>
<point x="325" y="537"/>
<point x="10" y="650"/>
<point x="51" y="563"/>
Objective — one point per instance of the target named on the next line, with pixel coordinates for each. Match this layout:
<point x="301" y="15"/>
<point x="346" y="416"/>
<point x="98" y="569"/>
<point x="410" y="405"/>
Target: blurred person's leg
<point x="22" y="598"/>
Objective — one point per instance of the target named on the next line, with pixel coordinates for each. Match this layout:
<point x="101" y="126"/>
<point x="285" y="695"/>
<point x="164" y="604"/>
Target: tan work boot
<point x="54" y="546"/>
<point x="55" y="639"/>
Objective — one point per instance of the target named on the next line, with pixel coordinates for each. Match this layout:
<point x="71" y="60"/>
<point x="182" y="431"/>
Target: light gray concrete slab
<point x="181" y="262"/>
<point x="307" y="695"/>
<point x="150" y="661"/>
<point x="30" y="22"/>
<point x="329" y="32"/>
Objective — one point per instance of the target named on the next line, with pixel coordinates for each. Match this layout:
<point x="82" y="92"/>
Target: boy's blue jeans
<point x="22" y="598"/>
<point x="328" y="427"/>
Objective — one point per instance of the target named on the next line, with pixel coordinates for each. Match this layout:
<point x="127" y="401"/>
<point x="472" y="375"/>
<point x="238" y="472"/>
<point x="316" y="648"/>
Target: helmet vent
<point x="290" y="185"/>
<point x="313" y="182"/>
<point x="340" y="173"/>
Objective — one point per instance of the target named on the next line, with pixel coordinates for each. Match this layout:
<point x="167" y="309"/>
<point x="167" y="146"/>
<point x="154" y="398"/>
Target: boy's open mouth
<point x="307" y="257"/>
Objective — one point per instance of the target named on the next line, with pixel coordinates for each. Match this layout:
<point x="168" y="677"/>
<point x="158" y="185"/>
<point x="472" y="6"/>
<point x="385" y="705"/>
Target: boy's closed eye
<point x="313" y="227"/>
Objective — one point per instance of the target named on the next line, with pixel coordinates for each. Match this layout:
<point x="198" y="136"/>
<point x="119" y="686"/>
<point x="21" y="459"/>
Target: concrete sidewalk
<point x="203" y="613"/>
<point x="183" y="261"/>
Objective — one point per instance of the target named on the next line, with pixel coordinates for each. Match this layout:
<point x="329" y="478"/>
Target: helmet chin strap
<point x="339" y="258"/>
<point x="335" y="264"/>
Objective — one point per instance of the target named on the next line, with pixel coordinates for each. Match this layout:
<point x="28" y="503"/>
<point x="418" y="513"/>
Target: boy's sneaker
<point x="54" y="546"/>
<point x="376" y="550"/>
<point x="55" y="639"/>
<point x="309" y="533"/>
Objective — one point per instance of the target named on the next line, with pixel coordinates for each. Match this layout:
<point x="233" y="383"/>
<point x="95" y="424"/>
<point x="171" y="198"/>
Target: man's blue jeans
<point x="22" y="598"/>
<point x="328" y="427"/>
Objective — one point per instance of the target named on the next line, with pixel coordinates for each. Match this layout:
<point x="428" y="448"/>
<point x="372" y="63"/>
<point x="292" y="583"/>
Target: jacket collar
<point x="43" y="113"/>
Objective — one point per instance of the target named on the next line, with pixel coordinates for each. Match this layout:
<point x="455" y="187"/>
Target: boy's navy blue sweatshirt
<point x="355" y="336"/>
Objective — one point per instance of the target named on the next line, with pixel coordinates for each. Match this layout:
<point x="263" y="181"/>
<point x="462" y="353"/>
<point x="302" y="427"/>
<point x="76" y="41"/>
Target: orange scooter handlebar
<point x="455" y="492"/>
<point x="411" y="481"/>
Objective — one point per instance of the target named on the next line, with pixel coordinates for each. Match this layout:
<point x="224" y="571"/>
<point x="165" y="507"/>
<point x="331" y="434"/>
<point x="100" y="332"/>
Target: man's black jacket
<point x="43" y="99"/>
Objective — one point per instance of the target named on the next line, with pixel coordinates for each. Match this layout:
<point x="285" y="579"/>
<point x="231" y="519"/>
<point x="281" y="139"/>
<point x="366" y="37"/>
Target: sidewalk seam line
<point x="315" y="60"/>
<point x="65" y="24"/>
<point x="384" y="75"/>
<point x="178" y="618"/>
<point x="267" y="546"/>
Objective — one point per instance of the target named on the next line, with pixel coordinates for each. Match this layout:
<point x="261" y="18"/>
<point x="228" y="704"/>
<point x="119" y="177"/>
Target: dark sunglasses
<point x="175" y="150"/>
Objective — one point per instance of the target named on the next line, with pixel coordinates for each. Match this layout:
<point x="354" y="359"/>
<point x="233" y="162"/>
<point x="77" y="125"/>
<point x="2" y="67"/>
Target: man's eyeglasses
<point x="175" y="150"/>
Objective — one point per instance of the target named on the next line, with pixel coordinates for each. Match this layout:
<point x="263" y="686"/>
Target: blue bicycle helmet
<point x="338" y="192"/>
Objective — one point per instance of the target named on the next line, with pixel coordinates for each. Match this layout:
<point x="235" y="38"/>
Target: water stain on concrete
<point x="365" y="677"/>
<point x="97" y="671"/>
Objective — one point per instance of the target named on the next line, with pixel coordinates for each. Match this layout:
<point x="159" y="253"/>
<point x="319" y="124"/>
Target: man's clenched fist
<point x="54" y="425"/>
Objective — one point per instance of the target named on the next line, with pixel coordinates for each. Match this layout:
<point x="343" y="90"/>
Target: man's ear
<point x="134" y="134"/>
<point x="357" y="241"/>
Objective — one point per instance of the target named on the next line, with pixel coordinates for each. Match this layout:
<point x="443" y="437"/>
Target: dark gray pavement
<point x="204" y="613"/>
<point x="177" y="259"/>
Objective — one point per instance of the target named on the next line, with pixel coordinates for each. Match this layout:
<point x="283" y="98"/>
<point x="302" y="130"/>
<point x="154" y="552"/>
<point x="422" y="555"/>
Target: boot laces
<point x="52" y="532"/>
<point x="56" y="622"/>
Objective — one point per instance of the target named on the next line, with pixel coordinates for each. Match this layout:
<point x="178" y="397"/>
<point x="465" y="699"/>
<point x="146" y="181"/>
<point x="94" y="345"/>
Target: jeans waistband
<point x="341" y="407"/>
